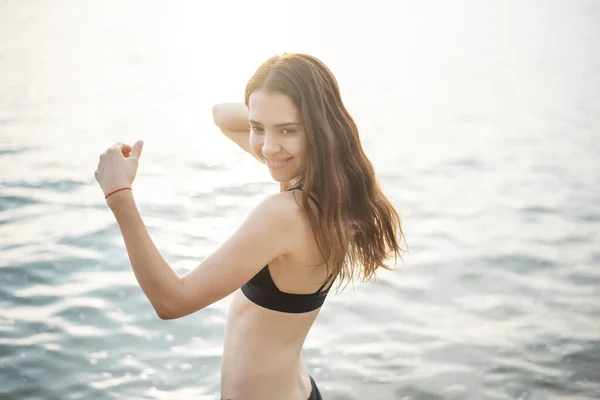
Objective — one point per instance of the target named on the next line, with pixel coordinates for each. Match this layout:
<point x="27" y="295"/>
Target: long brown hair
<point x="357" y="228"/>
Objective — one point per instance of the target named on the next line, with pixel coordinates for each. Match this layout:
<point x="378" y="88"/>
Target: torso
<point x="262" y="350"/>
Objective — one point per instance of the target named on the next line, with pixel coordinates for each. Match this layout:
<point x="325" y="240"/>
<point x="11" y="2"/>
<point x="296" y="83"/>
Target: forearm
<point x="231" y="116"/>
<point x="154" y="274"/>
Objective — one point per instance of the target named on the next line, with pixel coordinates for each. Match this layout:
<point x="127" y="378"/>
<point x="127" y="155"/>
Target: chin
<point x="286" y="179"/>
<point x="281" y="179"/>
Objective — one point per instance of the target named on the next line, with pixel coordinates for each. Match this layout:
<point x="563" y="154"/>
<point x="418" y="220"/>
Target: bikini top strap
<point x="325" y="283"/>
<point x="299" y="187"/>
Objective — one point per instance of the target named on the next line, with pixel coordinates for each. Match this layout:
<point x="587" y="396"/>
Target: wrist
<point x="120" y="197"/>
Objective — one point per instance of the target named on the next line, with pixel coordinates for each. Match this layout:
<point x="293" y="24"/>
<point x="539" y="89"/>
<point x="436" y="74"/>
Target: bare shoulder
<point x="280" y="217"/>
<point x="285" y="206"/>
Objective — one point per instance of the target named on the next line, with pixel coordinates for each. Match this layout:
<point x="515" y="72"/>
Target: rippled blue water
<point x="482" y="120"/>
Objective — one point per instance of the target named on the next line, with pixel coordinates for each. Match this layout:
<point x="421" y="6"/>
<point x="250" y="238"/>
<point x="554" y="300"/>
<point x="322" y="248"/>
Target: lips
<point x="279" y="163"/>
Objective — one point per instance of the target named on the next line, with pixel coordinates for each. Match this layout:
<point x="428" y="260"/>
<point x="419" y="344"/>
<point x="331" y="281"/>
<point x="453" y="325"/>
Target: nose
<point x="271" y="144"/>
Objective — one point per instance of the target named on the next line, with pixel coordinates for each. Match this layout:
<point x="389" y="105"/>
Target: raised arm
<point x="232" y="119"/>
<point x="274" y="228"/>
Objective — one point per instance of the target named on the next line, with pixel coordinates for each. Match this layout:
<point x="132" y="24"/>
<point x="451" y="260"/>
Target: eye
<point x="256" y="129"/>
<point x="287" y="131"/>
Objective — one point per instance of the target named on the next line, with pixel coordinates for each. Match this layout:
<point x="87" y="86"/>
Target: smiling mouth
<point x="277" y="163"/>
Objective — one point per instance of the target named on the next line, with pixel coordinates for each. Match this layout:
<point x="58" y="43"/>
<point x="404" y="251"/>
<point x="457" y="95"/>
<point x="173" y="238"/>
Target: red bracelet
<point x="118" y="190"/>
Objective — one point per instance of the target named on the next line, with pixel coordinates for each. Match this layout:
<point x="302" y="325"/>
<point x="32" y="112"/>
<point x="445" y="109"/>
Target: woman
<point x="330" y="220"/>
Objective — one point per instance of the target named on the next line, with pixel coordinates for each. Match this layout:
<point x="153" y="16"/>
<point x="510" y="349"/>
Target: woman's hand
<point x="118" y="166"/>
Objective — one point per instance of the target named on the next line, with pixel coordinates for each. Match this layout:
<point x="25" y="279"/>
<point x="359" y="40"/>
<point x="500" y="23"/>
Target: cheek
<point x="255" y="144"/>
<point x="298" y="148"/>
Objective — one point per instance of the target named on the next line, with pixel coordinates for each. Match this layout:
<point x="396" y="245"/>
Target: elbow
<point x="165" y="315"/>
<point x="177" y="306"/>
<point x="175" y="313"/>
<point x="168" y="313"/>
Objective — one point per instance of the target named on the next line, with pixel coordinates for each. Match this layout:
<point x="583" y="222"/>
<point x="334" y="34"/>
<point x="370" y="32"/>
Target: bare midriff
<point x="262" y="353"/>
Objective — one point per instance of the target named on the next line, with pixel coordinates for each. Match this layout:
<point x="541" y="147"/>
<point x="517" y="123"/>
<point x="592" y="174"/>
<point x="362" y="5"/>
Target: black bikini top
<point x="262" y="290"/>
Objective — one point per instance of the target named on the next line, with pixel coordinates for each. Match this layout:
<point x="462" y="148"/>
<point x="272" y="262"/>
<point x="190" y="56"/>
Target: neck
<point x="283" y="186"/>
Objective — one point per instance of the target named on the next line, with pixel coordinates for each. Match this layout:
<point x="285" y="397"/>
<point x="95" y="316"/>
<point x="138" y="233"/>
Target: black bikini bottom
<point x="314" y="393"/>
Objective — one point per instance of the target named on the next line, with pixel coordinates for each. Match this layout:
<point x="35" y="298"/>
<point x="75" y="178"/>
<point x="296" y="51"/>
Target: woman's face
<point x="276" y="134"/>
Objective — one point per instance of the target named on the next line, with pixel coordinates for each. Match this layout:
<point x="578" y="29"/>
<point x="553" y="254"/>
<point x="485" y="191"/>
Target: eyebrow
<point x="253" y="122"/>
